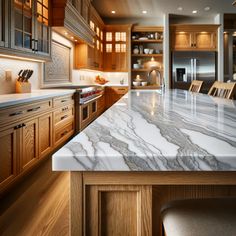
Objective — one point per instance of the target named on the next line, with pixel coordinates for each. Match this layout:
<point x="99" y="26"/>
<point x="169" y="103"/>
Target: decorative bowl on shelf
<point x="136" y="66"/>
<point x="144" y="83"/>
<point x="143" y="38"/>
<point x="146" y="50"/>
<point x="136" y="83"/>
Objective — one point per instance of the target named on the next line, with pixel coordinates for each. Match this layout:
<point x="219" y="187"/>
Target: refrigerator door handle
<point x="192" y="69"/>
<point x="195" y="69"/>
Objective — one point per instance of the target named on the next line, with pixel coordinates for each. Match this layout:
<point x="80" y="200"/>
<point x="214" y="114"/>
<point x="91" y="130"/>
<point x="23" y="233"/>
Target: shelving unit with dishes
<point x="146" y="56"/>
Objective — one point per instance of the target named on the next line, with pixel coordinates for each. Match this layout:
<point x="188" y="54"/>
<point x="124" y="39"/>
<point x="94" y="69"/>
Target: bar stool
<point x="196" y="86"/>
<point x="200" y="217"/>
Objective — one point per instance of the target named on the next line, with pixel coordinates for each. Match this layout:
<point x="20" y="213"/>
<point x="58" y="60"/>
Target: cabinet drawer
<point x="24" y="111"/>
<point x="63" y="114"/>
<point x="64" y="132"/>
<point x="120" y="90"/>
<point x="62" y="101"/>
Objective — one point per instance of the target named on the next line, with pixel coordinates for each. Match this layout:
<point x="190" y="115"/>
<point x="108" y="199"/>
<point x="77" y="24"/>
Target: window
<point x="108" y="47"/>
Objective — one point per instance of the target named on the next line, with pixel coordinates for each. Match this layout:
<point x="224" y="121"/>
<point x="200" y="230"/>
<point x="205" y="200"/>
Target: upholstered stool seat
<point x="200" y="217"/>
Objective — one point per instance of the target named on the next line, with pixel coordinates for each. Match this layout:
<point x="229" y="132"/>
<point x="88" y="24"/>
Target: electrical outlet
<point x="8" y="75"/>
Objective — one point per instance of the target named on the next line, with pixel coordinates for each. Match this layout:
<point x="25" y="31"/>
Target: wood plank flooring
<point x="39" y="205"/>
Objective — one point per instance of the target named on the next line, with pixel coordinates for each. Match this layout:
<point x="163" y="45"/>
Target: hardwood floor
<point x="37" y="206"/>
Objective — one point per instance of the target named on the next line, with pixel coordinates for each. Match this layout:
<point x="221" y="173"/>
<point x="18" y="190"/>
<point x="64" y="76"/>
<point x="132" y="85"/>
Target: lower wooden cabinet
<point x="29" y="144"/>
<point x="26" y="140"/>
<point x="45" y="134"/>
<point x="114" y="93"/>
<point x="8" y="156"/>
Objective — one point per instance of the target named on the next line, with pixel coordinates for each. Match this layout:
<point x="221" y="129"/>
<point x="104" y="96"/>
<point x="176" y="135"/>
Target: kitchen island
<point x="148" y="148"/>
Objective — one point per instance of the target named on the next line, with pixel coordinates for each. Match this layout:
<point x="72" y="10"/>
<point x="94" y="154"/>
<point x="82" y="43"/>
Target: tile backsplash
<point x="15" y="66"/>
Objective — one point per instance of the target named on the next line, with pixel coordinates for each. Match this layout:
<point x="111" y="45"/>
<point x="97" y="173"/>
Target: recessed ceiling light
<point x="144" y="12"/>
<point x="76" y="40"/>
<point x="207" y="8"/>
<point x="194" y="11"/>
<point x="72" y="37"/>
<point x="180" y="8"/>
<point x="66" y="33"/>
<point x="113" y="12"/>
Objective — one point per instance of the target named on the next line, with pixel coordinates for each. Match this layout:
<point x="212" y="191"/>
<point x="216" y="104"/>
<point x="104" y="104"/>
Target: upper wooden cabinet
<point x="91" y="56"/>
<point x="116" y="47"/>
<point x="30" y="26"/>
<point x="4" y="23"/>
<point x="25" y="28"/>
<point x="194" y="37"/>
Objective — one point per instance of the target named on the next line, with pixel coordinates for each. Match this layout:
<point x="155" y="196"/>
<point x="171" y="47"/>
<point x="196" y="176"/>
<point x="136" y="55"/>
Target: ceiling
<point x="156" y="8"/>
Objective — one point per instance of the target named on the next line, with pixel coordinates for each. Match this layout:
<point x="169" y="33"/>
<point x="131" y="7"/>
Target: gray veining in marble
<point x="151" y="131"/>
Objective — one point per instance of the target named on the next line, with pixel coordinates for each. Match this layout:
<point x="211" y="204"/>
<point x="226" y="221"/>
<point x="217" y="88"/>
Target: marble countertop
<point x="153" y="131"/>
<point x="17" y="98"/>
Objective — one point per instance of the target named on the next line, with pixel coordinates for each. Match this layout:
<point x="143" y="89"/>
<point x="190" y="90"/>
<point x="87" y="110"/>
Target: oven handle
<point x="83" y="103"/>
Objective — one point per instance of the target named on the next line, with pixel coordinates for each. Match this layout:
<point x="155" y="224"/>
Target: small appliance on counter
<point x="22" y="83"/>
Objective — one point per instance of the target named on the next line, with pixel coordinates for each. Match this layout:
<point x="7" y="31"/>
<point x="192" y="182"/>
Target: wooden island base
<point x="129" y="204"/>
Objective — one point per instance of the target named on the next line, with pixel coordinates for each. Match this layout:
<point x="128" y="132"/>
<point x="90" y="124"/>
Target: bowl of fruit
<point x="100" y="80"/>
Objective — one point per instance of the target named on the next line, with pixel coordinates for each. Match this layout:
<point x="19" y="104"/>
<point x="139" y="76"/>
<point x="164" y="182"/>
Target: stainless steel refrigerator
<point x="188" y="66"/>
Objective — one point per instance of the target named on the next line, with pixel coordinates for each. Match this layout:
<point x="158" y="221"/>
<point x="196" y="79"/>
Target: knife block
<point x="23" y="87"/>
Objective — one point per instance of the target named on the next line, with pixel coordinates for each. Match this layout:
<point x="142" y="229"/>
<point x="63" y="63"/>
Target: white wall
<point x="15" y="65"/>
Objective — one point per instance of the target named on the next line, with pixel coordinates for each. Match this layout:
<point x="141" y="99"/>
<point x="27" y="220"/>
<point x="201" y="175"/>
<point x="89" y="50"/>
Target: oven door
<point x="85" y="116"/>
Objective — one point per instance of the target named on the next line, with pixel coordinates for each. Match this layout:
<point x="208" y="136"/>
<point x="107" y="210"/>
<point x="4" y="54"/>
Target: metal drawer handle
<point x="64" y="109"/>
<point x="19" y="126"/>
<point x="16" y="113"/>
<point x="33" y="109"/>
<point x="64" y="133"/>
<point x="63" y="117"/>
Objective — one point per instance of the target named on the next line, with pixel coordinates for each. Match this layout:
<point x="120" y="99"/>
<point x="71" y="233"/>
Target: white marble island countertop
<point x="150" y="131"/>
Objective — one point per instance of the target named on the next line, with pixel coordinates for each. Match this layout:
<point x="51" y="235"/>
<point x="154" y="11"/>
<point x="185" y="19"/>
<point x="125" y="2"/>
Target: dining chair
<point x="196" y="86"/>
<point x="223" y="90"/>
<point x="205" y="217"/>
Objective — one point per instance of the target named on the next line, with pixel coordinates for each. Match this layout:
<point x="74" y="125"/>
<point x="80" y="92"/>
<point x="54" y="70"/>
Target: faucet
<point x="158" y="73"/>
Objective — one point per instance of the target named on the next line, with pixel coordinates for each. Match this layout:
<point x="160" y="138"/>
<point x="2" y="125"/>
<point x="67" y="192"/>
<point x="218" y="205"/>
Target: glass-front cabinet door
<point x="42" y="33"/>
<point x="22" y="25"/>
<point x="30" y="26"/>
<point x="3" y="23"/>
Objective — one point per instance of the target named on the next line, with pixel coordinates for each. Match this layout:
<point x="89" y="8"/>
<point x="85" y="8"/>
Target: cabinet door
<point x="23" y="25"/>
<point x="29" y="138"/>
<point x="4" y="23"/>
<point x="43" y="31"/>
<point x="182" y="40"/>
<point x="8" y="156"/>
<point x="45" y="134"/>
<point x="205" y="40"/>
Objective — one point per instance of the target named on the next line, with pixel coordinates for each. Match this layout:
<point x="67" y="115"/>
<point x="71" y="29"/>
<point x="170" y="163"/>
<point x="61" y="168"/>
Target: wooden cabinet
<point x="114" y="93"/>
<point x="27" y="131"/>
<point x="29" y="144"/>
<point x="8" y="156"/>
<point x="194" y="37"/>
<point x="4" y="23"/>
<point x="91" y="56"/>
<point x="45" y="134"/>
<point x="30" y="26"/>
<point x="116" y="47"/>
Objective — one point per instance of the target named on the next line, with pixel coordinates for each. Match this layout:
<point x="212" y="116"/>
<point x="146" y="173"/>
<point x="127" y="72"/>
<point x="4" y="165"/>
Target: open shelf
<point x="147" y="55"/>
<point x="147" y="41"/>
<point x="144" y="70"/>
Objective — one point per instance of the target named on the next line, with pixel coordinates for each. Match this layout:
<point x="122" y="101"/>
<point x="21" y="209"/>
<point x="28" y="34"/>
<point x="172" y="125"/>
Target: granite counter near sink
<point x="151" y="131"/>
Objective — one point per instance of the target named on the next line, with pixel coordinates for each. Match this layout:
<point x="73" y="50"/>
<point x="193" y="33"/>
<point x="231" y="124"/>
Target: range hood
<point x="67" y="18"/>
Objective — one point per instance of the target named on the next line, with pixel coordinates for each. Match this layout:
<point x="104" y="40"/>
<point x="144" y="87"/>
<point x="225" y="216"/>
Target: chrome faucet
<point x="158" y="73"/>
